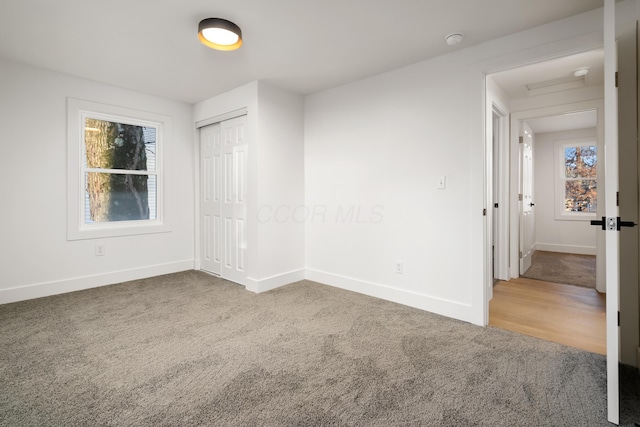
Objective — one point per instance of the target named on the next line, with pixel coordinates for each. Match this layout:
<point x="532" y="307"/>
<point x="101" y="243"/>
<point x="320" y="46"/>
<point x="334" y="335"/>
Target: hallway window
<point x="577" y="190"/>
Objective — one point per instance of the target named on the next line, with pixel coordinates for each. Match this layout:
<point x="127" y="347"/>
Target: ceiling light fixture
<point x="454" y="39"/>
<point x="582" y="71"/>
<point x="220" y="34"/>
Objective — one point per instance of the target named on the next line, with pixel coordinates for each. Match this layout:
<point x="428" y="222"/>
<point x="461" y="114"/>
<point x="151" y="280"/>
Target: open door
<point x="611" y="209"/>
<point x="525" y="198"/>
<point x="628" y="195"/>
<point x="627" y="217"/>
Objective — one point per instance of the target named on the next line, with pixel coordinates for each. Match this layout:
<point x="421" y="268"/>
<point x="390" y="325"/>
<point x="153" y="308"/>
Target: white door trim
<point x="221" y="118"/>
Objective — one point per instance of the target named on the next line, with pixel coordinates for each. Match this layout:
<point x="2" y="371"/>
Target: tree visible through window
<point x="119" y="171"/>
<point x="580" y="174"/>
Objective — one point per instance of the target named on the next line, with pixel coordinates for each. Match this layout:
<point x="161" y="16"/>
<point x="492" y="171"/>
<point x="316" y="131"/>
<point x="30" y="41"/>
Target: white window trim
<point x="77" y="229"/>
<point x="558" y="159"/>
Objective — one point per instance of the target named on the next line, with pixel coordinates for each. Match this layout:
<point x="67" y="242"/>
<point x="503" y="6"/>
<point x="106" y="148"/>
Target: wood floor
<point x="571" y="315"/>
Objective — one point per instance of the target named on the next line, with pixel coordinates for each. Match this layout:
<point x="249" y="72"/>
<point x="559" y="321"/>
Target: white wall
<point x="553" y="234"/>
<point x="379" y="144"/>
<point x="280" y="191"/>
<point x="376" y="148"/>
<point x="35" y="257"/>
<point x="276" y="180"/>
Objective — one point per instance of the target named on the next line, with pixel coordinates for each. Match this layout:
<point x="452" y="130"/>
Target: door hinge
<point x="520" y="253"/>
<point x="484" y="212"/>
<point x="617" y="198"/>
<point x="616" y="79"/>
<point x="618" y="318"/>
<point x="520" y="197"/>
<point x="521" y="140"/>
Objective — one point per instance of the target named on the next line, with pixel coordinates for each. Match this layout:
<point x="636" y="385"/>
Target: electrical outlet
<point x="100" y="250"/>
<point x="399" y="267"/>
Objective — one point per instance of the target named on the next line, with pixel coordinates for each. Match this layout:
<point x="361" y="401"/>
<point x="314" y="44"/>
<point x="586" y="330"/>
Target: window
<point x="576" y="179"/>
<point x="115" y="171"/>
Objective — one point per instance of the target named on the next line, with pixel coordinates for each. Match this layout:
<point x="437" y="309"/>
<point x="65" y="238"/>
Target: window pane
<point x="119" y="197"/>
<point x="587" y="162"/>
<point x="580" y="195"/>
<point x="580" y="162"/>
<point x="111" y="145"/>
<point x="570" y="162"/>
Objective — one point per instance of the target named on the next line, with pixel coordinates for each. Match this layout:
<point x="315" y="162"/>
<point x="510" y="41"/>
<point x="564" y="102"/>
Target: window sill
<point x="99" y="231"/>
<point x="575" y="216"/>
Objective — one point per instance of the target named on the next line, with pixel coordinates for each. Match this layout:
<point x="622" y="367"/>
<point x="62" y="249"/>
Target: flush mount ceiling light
<point x="582" y="71"/>
<point x="220" y="34"/>
<point x="454" y="39"/>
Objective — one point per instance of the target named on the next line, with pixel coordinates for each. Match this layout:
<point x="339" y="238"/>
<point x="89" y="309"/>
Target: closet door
<point x="210" y="190"/>
<point x="234" y="199"/>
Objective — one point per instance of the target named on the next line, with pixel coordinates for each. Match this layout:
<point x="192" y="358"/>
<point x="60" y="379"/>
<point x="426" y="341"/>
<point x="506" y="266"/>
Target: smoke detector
<point x="582" y="71"/>
<point x="454" y="39"/>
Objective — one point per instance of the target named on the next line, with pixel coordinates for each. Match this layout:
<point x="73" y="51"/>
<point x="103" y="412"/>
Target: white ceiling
<point x="563" y="122"/>
<point x="515" y="82"/>
<point x="300" y="45"/>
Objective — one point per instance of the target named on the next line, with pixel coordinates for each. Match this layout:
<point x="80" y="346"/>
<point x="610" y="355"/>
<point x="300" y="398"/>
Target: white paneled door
<point x="223" y="152"/>
<point x="527" y="224"/>
<point x="210" y="142"/>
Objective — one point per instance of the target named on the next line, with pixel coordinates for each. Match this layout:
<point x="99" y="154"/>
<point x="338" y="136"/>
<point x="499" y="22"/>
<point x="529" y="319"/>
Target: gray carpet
<point x="569" y="269"/>
<point x="191" y="349"/>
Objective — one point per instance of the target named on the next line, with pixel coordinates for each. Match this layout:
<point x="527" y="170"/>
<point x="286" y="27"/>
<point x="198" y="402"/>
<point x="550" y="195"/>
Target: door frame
<point x="516" y="121"/>
<point x="497" y="164"/>
<point x="478" y="73"/>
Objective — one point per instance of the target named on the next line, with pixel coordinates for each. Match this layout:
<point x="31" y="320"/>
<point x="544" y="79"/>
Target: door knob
<point x="613" y="223"/>
<point x="532" y="204"/>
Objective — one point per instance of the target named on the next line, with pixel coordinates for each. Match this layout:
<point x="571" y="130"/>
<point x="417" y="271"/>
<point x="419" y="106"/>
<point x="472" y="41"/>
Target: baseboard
<point x="40" y="290"/>
<point x="425" y="302"/>
<point x="269" y="283"/>
<point x="566" y="249"/>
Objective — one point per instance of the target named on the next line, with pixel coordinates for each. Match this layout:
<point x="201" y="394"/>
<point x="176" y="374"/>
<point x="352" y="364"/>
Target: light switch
<point x="442" y="182"/>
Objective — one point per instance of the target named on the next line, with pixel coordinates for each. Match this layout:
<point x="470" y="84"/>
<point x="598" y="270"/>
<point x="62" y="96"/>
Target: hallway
<point x="570" y="315"/>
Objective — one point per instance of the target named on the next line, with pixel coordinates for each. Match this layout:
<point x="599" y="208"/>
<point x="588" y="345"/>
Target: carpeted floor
<point x="570" y="269"/>
<point x="191" y="349"/>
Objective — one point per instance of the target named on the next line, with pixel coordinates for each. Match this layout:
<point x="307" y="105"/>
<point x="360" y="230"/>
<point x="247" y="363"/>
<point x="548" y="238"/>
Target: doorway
<point x="568" y="184"/>
<point x="547" y="97"/>
<point x="550" y="308"/>
<point x="534" y="94"/>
